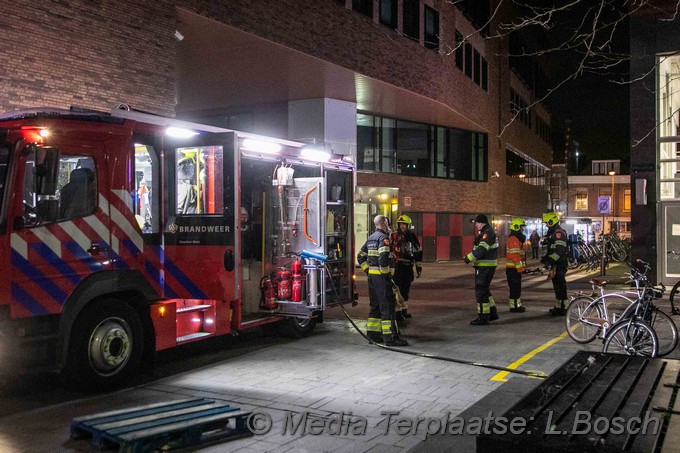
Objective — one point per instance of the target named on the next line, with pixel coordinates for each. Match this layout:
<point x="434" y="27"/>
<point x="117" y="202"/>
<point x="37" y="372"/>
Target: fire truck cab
<point x="123" y="234"/>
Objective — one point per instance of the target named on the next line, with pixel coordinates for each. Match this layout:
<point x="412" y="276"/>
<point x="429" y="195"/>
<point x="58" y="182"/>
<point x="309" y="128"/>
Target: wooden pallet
<point x="172" y="424"/>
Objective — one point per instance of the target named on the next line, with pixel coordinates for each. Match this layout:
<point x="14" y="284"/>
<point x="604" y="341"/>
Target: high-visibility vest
<point x="514" y="254"/>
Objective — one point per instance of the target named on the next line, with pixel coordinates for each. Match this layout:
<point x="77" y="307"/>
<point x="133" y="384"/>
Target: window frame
<point x="363" y="7"/>
<point x="393" y="11"/>
<point x="581" y="196"/>
<point x="411" y="25"/>
<point x="431" y="39"/>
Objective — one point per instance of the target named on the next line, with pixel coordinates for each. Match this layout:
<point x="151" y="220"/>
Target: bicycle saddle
<point x="599" y="282"/>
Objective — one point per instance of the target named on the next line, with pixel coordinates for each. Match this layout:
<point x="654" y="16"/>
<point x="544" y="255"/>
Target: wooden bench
<point x="576" y="408"/>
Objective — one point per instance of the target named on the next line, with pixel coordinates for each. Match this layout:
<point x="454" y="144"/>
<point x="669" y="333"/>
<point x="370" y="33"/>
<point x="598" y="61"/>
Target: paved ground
<point x="337" y="375"/>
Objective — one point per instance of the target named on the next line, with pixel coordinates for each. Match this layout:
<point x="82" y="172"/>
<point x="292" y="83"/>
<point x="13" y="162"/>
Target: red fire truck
<point x="123" y="234"/>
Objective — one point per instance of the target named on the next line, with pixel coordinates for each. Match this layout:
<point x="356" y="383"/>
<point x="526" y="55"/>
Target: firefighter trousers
<point x="514" y="282"/>
<point x="483" y="277"/>
<point x="559" y="282"/>
<point x="403" y="277"/>
<point x="381" y="306"/>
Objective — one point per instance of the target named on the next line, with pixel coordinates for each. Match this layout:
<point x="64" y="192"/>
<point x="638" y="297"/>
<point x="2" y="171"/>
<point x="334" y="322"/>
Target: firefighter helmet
<point x="404" y="219"/>
<point x="551" y="218"/>
<point x="516" y="224"/>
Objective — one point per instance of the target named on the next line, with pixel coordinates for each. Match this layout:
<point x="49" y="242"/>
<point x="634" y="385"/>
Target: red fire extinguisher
<point x="283" y="283"/>
<point x="268" y="295"/>
<point x="299" y="280"/>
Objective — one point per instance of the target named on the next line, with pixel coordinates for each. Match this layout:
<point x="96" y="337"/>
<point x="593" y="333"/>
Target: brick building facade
<point x="243" y="63"/>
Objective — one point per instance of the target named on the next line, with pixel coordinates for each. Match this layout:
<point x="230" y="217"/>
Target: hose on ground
<point x="532" y="374"/>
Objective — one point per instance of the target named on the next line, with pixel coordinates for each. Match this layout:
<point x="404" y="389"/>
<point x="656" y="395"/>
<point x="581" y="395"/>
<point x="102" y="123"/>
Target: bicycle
<point x="588" y="317"/>
<point x="676" y="288"/>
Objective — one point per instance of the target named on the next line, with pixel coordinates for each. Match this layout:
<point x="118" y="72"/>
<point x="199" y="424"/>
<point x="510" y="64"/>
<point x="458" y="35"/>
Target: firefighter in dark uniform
<point x="557" y="260"/>
<point x="374" y="259"/>
<point x="407" y="252"/>
<point x="484" y="255"/>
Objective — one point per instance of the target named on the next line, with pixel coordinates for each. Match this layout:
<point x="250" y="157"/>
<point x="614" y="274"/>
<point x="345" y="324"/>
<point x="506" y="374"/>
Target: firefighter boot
<point x="493" y="312"/>
<point x="481" y="320"/>
<point x="375" y="337"/>
<point x="559" y="309"/>
<point x="400" y="319"/>
<point x="406" y="314"/>
<point x="394" y="340"/>
<point x="516" y="306"/>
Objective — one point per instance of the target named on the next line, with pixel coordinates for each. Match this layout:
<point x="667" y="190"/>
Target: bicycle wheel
<point x="674" y="293"/>
<point x="580" y="317"/>
<point x="666" y="331"/>
<point x="632" y="338"/>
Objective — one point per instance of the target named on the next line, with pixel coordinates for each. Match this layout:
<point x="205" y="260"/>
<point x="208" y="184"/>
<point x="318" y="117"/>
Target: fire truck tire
<point x="106" y="346"/>
<point x="296" y="327"/>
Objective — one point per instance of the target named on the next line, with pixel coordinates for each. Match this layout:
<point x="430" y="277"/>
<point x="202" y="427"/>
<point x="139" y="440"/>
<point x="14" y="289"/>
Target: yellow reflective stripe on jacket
<point x="486" y="263"/>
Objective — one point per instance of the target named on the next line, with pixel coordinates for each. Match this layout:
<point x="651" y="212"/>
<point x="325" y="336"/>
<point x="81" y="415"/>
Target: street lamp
<point x="577" y="162"/>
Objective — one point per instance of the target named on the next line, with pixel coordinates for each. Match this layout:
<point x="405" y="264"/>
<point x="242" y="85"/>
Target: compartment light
<point x="178" y="132"/>
<point x="161" y="310"/>
<point x="34" y="134"/>
<point x="316" y="154"/>
<point x="261" y="146"/>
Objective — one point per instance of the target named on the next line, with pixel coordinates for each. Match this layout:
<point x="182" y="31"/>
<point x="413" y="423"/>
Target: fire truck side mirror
<point x="46" y="171"/>
<point x="229" y="260"/>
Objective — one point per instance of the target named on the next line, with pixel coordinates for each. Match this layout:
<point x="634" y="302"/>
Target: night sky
<point x="597" y="106"/>
<point x="599" y="111"/>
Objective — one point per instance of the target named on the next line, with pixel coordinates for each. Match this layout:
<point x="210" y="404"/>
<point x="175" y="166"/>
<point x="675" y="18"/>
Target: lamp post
<point x="612" y="174"/>
<point x="603" y="258"/>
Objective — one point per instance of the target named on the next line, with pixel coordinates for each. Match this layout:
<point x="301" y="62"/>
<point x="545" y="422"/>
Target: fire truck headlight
<point x="179" y="132"/>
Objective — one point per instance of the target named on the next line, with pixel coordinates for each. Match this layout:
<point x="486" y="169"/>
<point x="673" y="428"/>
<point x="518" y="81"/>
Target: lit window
<point x="581" y="203"/>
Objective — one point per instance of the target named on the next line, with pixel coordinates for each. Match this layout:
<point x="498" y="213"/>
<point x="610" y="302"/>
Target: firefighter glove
<point x="467" y="260"/>
<point x="551" y="274"/>
<point x="419" y="270"/>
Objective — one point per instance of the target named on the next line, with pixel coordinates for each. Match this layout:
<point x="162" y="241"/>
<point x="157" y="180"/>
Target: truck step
<point x="172" y="424"/>
<point x="193" y="308"/>
<point x="193" y="336"/>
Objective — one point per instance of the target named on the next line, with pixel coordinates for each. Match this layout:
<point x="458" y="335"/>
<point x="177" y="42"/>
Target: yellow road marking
<point x="513" y="366"/>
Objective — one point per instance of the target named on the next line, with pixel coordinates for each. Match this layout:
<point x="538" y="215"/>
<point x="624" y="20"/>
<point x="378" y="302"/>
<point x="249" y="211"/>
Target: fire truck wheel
<point x="106" y="345"/>
<point x="296" y="327"/>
